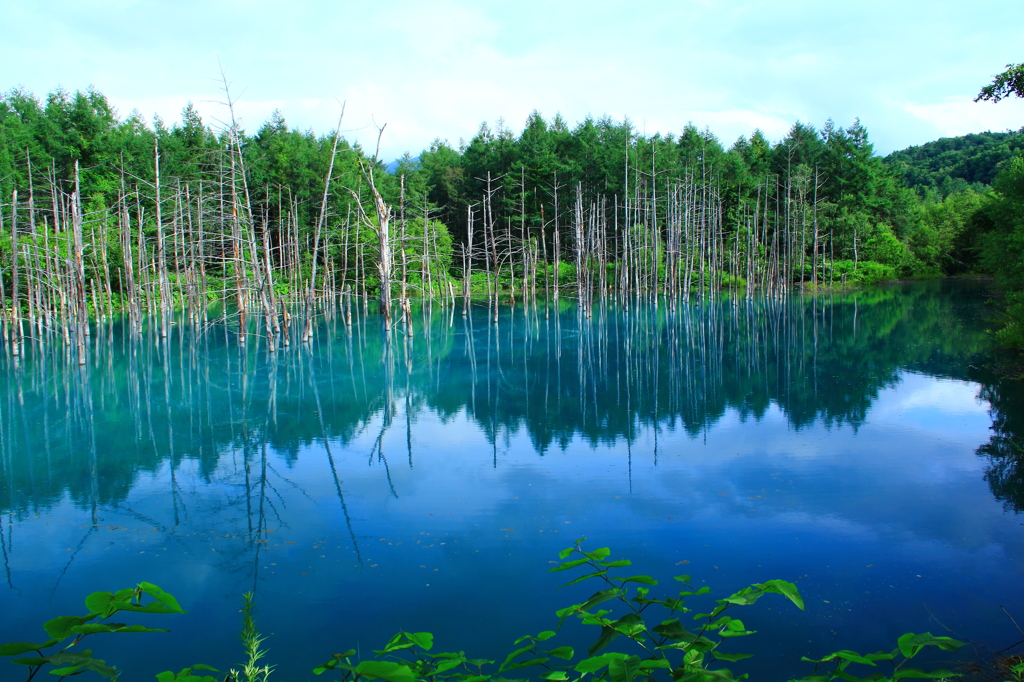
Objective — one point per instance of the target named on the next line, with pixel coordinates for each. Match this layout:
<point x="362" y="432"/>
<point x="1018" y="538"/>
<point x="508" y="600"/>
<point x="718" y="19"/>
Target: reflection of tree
<point x="150" y="406"/>
<point x="1005" y="449"/>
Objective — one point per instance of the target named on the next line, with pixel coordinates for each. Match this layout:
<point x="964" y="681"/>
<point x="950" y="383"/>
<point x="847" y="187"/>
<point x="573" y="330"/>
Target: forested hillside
<point x="953" y="164"/>
<point x="100" y="213"/>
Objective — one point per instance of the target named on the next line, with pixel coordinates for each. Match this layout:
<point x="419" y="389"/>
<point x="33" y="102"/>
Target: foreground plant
<point x="67" y="632"/>
<point x="649" y="646"/>
<point x="251" y="640"/>
<point x="663" y="647"/>
<point x="640" y="637"/>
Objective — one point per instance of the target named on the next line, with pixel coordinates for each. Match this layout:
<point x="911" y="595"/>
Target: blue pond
<point x="359" y="486"/>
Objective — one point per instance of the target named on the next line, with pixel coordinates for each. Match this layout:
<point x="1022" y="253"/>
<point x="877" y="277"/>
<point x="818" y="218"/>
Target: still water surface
<point x="846" y="443"/>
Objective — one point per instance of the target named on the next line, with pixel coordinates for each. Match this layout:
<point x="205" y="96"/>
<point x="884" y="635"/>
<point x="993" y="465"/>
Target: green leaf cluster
<point x="639" y="637"/>
<point x="66" y="632"/>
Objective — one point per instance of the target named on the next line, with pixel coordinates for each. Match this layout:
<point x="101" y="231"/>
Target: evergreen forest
<point x="102" y="215"/>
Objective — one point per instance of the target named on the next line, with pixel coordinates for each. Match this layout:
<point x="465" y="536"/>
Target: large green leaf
<point x="423" y="640"/>
<point x="854" y="656"/>
<point x="745" y="597"/>
<point x="580" y="579"/>
<point x="786" y="589"/>
<point x="595" y="663"/>
<point x="186" y="675"/>
<point x="655" y="663"/>
<point x="97" y="628"/>
<point x="70" y="670"/>
<point x="106" y="603"/>
<point x="386" y="670"/>
<point x="151" y="607"/>
<point x="910" y="644"/>
<point x="338" y="661"/>
<point x="445" y="666"/>
<point x="734" y="628"/>
<point x="629" y="625"/>
<point x="139" y="628"/>
<point x="91" y="629"/>
<point x="624" y="670"/>
<point x="645" y="579"/>
<point x="564" y="652"/>
<point x="568" y="564"/>
<point x="100" y="602"/>
<point x="61" y="627"/>
<point x="18" y="648"/>
<point x="164" y="598"/>
<point x="528" y="663"/>
<point x="595" y="599"/>
<point x="732" y="658"/>
<point x="81" y="660"/>
<point x="914" y="673"/>
<point x="514" y="654"/>
<point x="701" y="675"/>
<point x="601" y="597"/>
<point x="674" y="630"/>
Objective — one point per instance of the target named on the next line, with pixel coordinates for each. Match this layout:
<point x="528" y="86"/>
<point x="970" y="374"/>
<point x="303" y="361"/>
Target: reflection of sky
<point x="950" y="409"/>
<point x="886" y="529"/>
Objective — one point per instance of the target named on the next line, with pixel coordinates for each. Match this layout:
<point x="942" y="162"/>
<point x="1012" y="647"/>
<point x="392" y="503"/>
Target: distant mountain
<point x="393" y="166"/>
<point x="951" y="164"/>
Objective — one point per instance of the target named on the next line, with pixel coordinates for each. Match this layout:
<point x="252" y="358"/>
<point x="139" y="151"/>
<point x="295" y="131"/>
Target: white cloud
<point x="961" y="115"/>
<point x="440" y="68"/>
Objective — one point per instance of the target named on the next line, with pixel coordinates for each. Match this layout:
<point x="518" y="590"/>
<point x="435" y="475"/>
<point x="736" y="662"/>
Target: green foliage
<point x="954" y="164"/>
<point x="632" y="643"/>
<point x="883" y="247"/>
<point x="101" y="606"/>
<point x="251" y="641"/>
<point x="188" y="675"/>
<point x="1009" y="82"/>
<point x="870" y="272"/>
<point x="835" y="666"/>
<point x="1001" y="252"/>
<point x="1012" y="667"/>
<point x="1011" y="333"/>
<point x="942" y="236"/>
<point x="859" y="201"/>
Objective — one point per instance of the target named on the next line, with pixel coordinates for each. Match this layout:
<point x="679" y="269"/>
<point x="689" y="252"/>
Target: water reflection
<point x="142" y="405"/>
<point x="208" y="455"/>
<point x="1005" y="449"/>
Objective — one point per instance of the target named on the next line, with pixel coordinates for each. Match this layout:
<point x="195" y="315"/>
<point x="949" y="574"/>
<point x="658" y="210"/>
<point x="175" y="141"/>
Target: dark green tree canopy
<point x="1009" y="82"/>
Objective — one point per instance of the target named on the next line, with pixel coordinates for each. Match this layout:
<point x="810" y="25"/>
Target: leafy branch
<point x="66" y="632"/>
<point x="1009" y="82"/>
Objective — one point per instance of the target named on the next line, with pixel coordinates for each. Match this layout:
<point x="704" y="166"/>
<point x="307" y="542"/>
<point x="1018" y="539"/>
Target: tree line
<point x="102" y="215"/>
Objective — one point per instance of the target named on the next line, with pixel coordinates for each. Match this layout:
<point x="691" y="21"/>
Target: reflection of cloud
<point x="946" y="395"/>
<point x="926" y="405"/>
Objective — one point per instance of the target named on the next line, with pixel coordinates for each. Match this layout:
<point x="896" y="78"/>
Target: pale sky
<point x="908" y="69"/>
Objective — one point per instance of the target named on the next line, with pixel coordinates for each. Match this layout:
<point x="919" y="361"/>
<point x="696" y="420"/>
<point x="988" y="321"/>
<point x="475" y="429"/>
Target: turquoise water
<point x="358" y="487"/>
